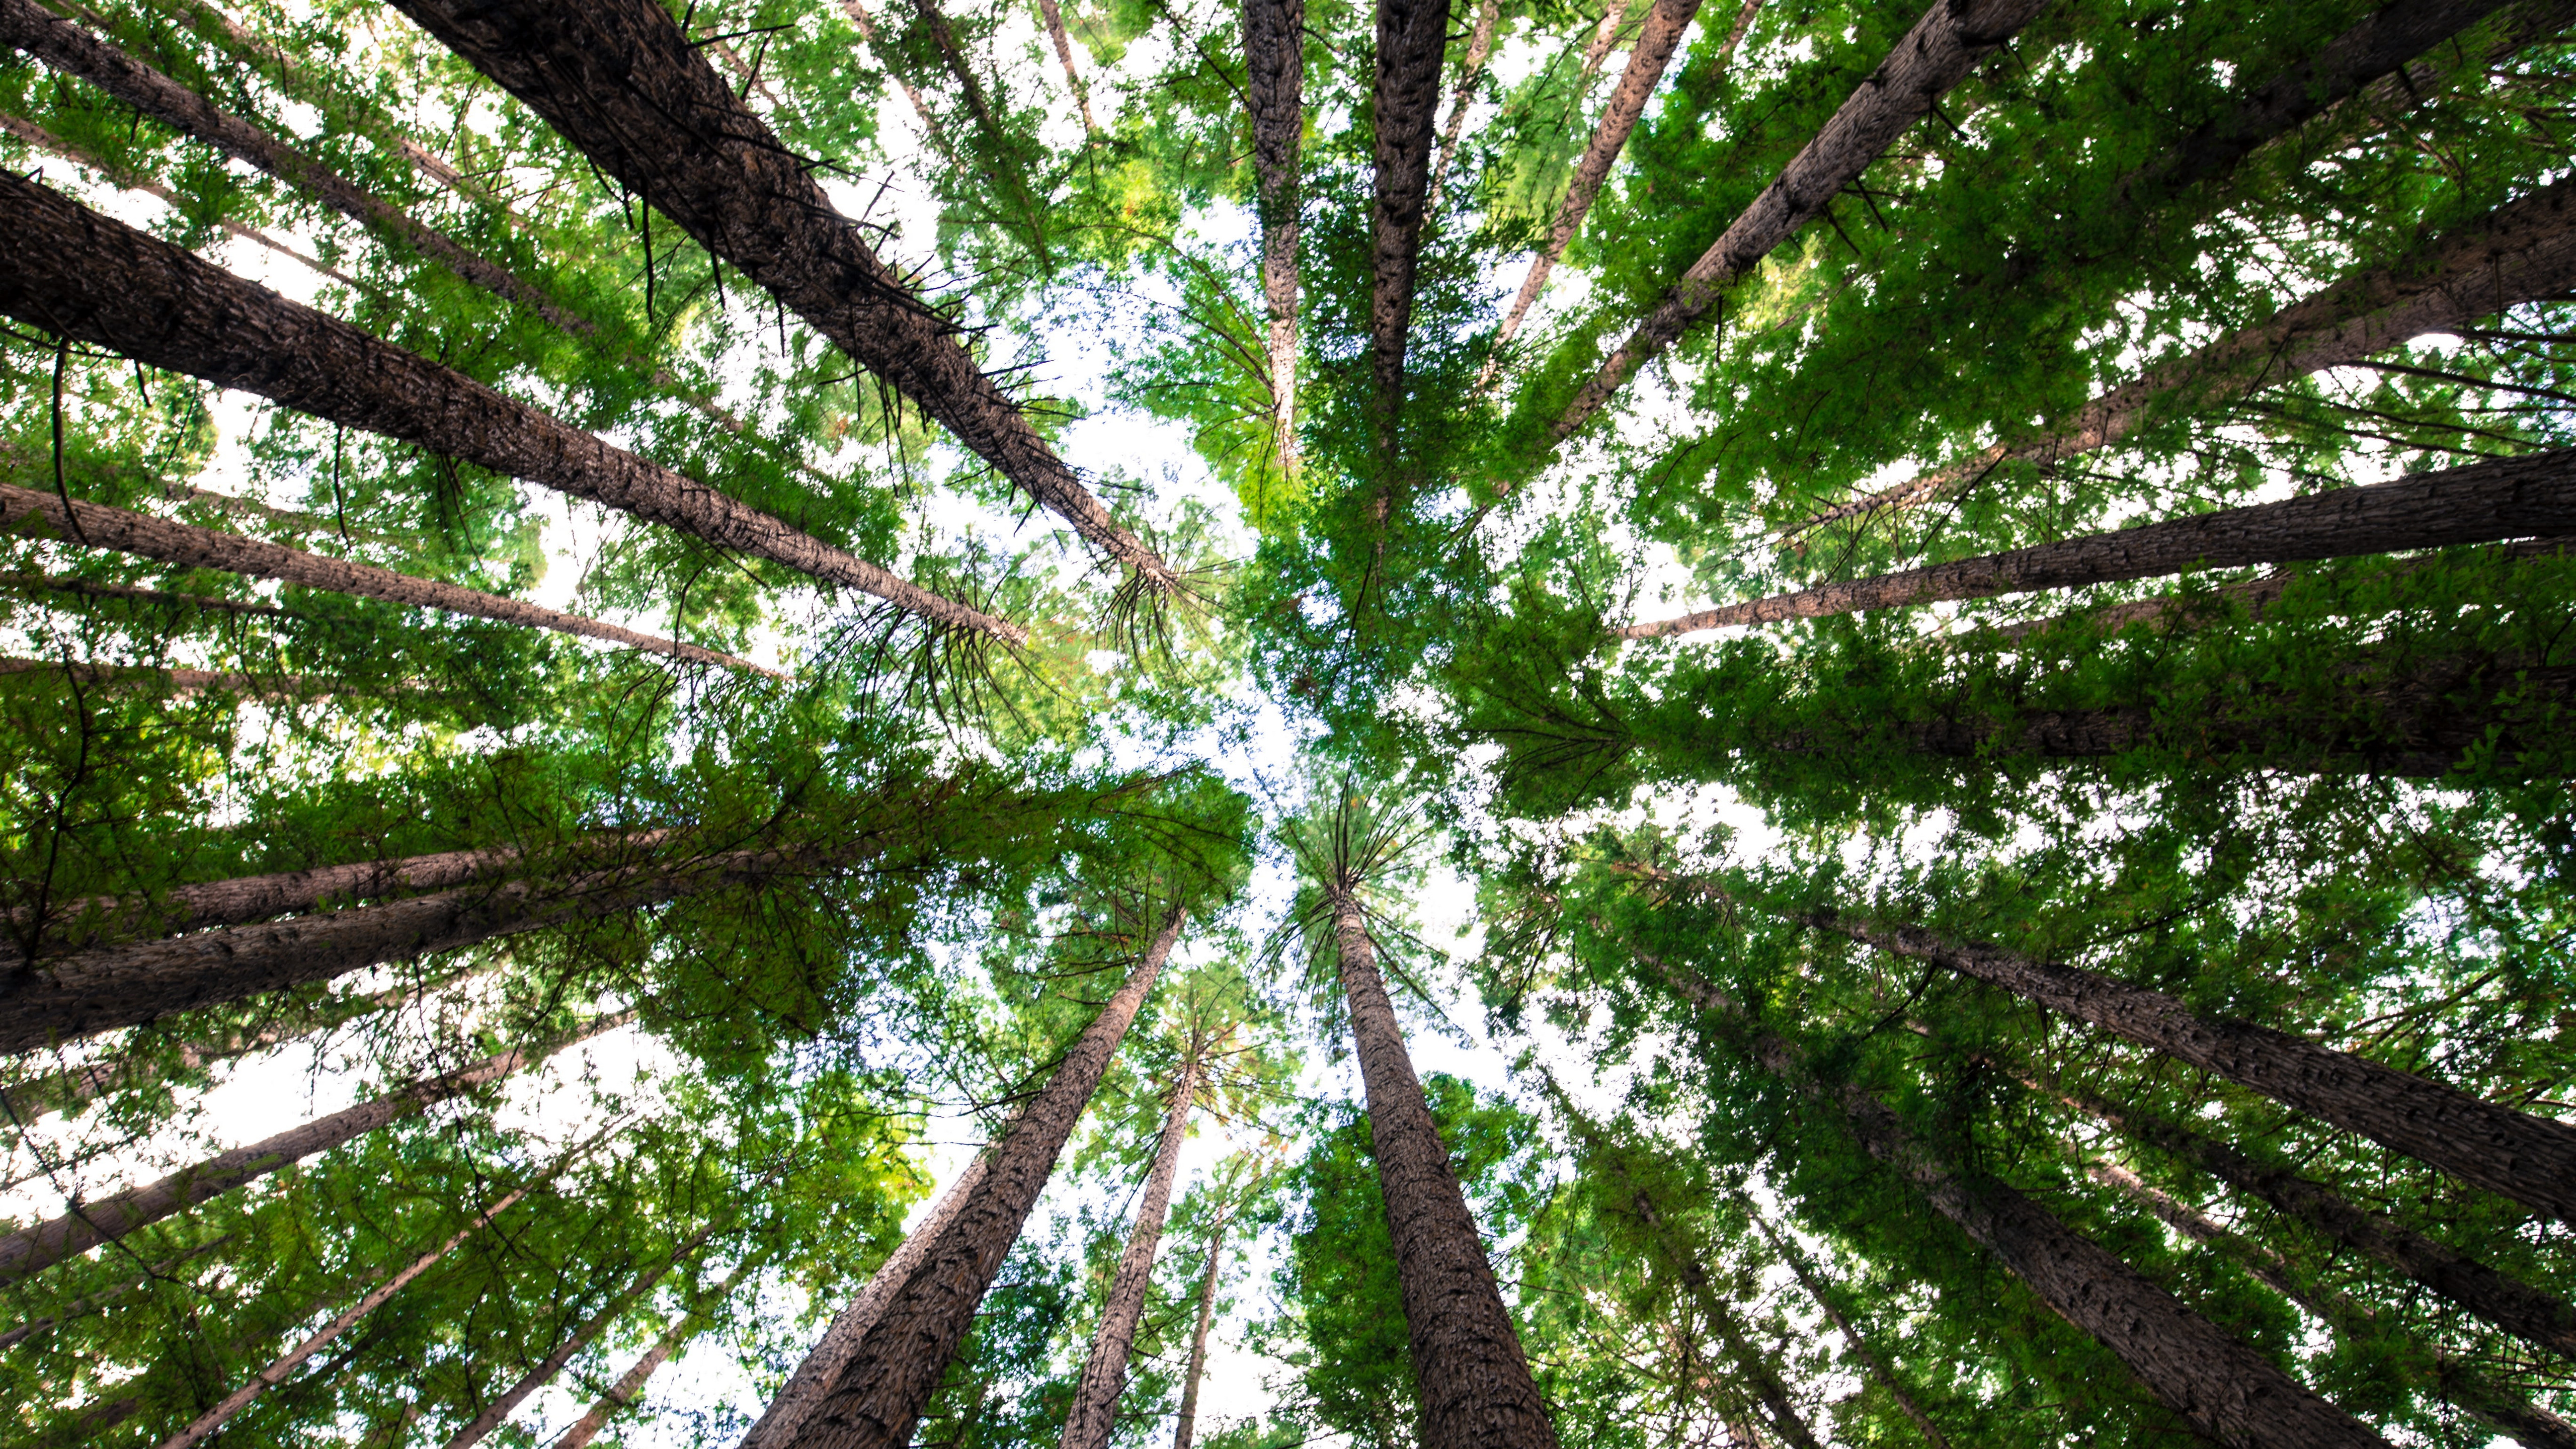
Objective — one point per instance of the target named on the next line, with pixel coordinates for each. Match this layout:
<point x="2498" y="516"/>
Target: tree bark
<point x="631" y="1383"/>
<point x="1474" y="1381"/>
<point x="2429" y="1367"/>
<point x="1412" y="38"/>
<point x="178" y="682"/>
<point x="188" y="546"/>
<point x="622" y="84"/>
<point x="83" y="275"/>
<point x="1480" y="46"/>
<point x="136" y="594"/>
<point x="1187" y="1427"/>
<point x="1054" y="14"/>
<point x="33" y="1249"/>
<point x="899" y="1361"/>
<point x="2530" y="496"/>
<point x="1274" y="50"/>
<point x="2529" y="1159"/>
<point x="1935" y="55"/>
<point x="1104" y="1373"/>
<point x="1880" y="1371"/>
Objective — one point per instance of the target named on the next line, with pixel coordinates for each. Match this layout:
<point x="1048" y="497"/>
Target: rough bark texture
<point x="2515" y="254"/>
<point x="622" y="83"/>
<point x="898" y="1363"/>
<point x="2529" y="1159"/>
<point x="2532" y="496"/>
<point x="1187" y="1426"/>
<point x="33" y="1249"/>
<point x="1480" y="46"/>
<point x="1880" y="1371"/>
<point x="1935" y="55"/>
<point x="1475" y="1384"/>
<point x="631" y="1383"/>
<point x="1412" y="38"/>
<point x="103" y="282"/>
<point x="188" y="546"/>
<point x="820" y="1370"/>
<point x="1104" y="1373"/>
<point x="2510" y="1304"/>
<point x="1274" y="52"/>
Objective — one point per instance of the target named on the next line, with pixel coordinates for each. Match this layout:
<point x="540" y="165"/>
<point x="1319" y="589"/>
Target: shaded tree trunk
<point x="2529" y="1159"/>
<point x="1474" y="1381"/>
<point x="1054" y="14"/>
<point x="136" y="594"/>
<point x="1480" y="46"/>
<point x="187" y="546"/>
<point x="100" y="281"/>
<point x="32" y="1249"/>
<point x="631" y="1383"/>
<point x="898" y="1363"/>
<point x="1104" y="1372"/>
<point x="177" y="682"/>
<point x="1756" y="1369"/>
<point x="1187" y="1427"/>
<point x="930" y="130"/>
<point x="1880" y="1371"/>
<point x="1412" y="38"/>
<point x="1274" y="49"/>
<point x="2530" y="496"/>
<point x="621" y="83"/>
<point x="1935" y="55"/>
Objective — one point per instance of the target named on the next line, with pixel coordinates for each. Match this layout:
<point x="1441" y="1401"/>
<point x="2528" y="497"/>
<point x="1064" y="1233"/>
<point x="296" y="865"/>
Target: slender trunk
<point x="31" y="1250"/>
<point x="2539" y="1318"/>
<point x="2529" y="1159"/>
<point x="177" y="682"/>
<point x="898" y="1363"/>
<point x="622" y="84"/>
<point x="188" y="546"/>
<point x="1879" y="1370"/>
<point x="1187" y="1428"/>
<point x="1412" y="37"/>
<point x="1480" y="46"/>
<point x="1003" y="172"/>
<point x="2520" y="252"/>
<point x="1474" y="1381"/>
<point x="1054" y="14"/>
<point x="91" y="1303"/>
<point x="2530" y="496"/>
<point x="930" y="131"/>
<point x="1274" y="52"/>
<point x="631" y="1383"/>
<point x="820" y="1371"/>
<point x="1768" y="1387"/>
<point x="2221" y="1387"/>
<point x="1647" y="61"/>
<point x="1614" y="18"/>
<point x="1104" y="1373"/>
<point x="1935" y="55"/>
<point x="132" y="593"/>
<point x="499" y="1410"/>
<point x="102" y="282"/>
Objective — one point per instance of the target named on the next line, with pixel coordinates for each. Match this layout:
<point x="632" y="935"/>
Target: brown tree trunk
<point x="1187" y="1427"/>
<point x="1412" y="38"/>
<point x="136" y="594"/>
<point x="1474" y="1381"/>
<point x="1880" y="1371"/>
<point x="1104" y="1373"/>
<point x="897" y="1366"/>
<point x="177" y="682"/>
<point x="930" y="131"/>
<point x="103" y="282"/>
<point x="621" y="83"/>
<point x="2529" y="1159"/>
<point x="631" y="1383"/>
<point x="1756" y="1369"/>
<point x="32" y="1249"/>
<point x="1480" y="46"/>
<point x="1935" y="55"/>
<point x="1054" y="14"/>
<point x="188" y="546"/>
<point x="2530" y="496"/>
<point x="1274" y="52"/>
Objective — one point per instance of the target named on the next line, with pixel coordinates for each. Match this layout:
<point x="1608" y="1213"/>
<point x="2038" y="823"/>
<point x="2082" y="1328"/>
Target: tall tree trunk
<point x="930" y="130"/>
<point x="897" y="1366"/>
<point x="621" y="83"/>
<point x="2429" y="1368"/>
<point x="1756" y="1370"/>
<point x="2529" y="1159"/>
<point x="2517" y="253"/>
<point x="32" y="1249"/>
<point x="2221" y="1387"/>
<point x="2529" y="496"/>
<point x="1480" y="46"/>
<point x="188" y="546"/>
<point x="87" y="1304"/>
<point x="1274" y="52"/>
<point x="1412" y="38"/>
<point x="178" y="682"/>
<point x="1054" y="14"/>
<point x="1880" y="1371"/>
<point x="136" y="594"/>
<point x="1935" y="55"/>
<point x="95" y="279"/>
<point x="1474" y="1381"/>
<point x="2542" y="1319"/>
<point x="1187" y="1427"/>
<point x="631" y="1383"/>
<point x="1104" y="1373"/>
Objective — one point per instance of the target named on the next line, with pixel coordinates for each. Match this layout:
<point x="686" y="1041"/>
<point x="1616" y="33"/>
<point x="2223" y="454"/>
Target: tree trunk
<point x="1879" y="1369"/>
<point x="106" y="283"/>
<point x="177" y="682"/>
<point x="899" y="1361"/>
<point x="1480" y="46"/>
<point x="88" y="1304"/>
<point x="1187" y="1428"/>
<point x="1412" y="38"/>
<point x="31" y="1250"/>
<point x="930" y="131"/>
<point x="1749" y="1361"/>
<point x="2529" y="1159"/>
<point x="499" y="1410"/>
<point x="1647" y="61"/>
<point x="2520" y="252"/>
<point x="820" y="1371"/>
<point x="2543" y="1319"/>
<point x="1054" y="14"/>
<point x="1935" y="55"/>
<point x="631" y="1383"/>
<point x="2530" y="496"/>
<point x="1104" y="1374"/>
<point x="2427" y="1366"/>
<point x="1467" y="1361"/>
<point x="187" y="546"/>
<point x="136" y="594"/>
<point x="1274" y="50"/>
<point x="622" y="84"/>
